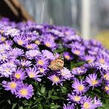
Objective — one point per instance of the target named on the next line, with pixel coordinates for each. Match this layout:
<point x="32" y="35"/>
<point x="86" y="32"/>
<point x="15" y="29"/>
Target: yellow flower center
<point x="20" y="42"/>
<point x="40" y="62"/>
<point x="3" y="57"/>
<point x="55" y="79"/>
<point x="77" y="52"/>
<point x="13" y="85"/>
<point x="106" y="76"/>
<point x="90" y="61"/>
<point x="63" y="73"/>
<point x="31" y="75"/>
<point x="94" y="82"/>
<point x="29" y="46"/>
<point x="48" y="44"/>
<point x="23" y="92"/>
<point x="7" y="69"/>
<point x="41" y="70"/>
<point x="106" y="88"/>
<point x="67" y="57"/>
<point x="3" y="38"/>
<point x="37" y="42"/>
<point x="102" y="61"/>
<point x="80" y="87"/>
<point x="77" y="98"/>
<point x="86" y="105"/>
<point x="17" y="75"/>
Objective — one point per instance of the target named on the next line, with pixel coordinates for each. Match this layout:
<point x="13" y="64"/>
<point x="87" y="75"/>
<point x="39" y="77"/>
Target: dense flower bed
<point x="50" y="67"/>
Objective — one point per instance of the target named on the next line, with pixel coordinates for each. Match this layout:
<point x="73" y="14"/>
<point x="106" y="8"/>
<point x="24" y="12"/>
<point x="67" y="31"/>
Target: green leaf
<point x="73" y="65"/>
<point x="14" y="105"/>
<point x="64" y="90"/>
<point x="54" y="106"/>
<point x="55" y="97"/>
<point x="20" y="107"/>
<point x="42" y="89"/>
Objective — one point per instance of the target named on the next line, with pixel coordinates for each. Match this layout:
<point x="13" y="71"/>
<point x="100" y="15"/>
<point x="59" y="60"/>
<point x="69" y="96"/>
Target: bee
<point x="57" y="64"/>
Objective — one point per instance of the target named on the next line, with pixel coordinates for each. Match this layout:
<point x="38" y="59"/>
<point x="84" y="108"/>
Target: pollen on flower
<point x="94" y="82"/>
<point x="41" y="70"/>
<point x="77" y="52"/>
<point x="102" y="61"/>
<point x="31" y="75"/>
<point x="106" y="88"/>
<point x="77" y="98"/>
<point x="86" y="105"/>
<point x="7" y="69"/>
<point x="40" y="62"/>
<point x="106" y="76"/>
<point x="20" y="42"/>
<point x="23" y="92"/>
<point x="17" y="76"/>
<point x="67" y="57"/>
<point x="80" y="87"/>
<point x="13" y="85"/>
<point x="90" y="61"/>
<point x="56" y="79"/>
<point x="37" y="42"/>
<point x="3" y="38"/>
<point x="29" y="46"/>
<point x="48" y="44"/>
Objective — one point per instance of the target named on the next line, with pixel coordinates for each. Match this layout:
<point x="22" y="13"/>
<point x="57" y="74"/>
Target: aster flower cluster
<point x="35" y="58"/>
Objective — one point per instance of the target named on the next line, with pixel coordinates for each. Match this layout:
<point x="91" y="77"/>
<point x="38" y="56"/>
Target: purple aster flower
<point x="24" y="63"/>
<point x="48" y="54"/>
<point x="93" y="51"/>
<point x="32" y="46"/>
<point x="68" y="106"/>
<point x="65" y="73"/>
<point x="7" y="69"/>
<point x="89" y="58"/>
<point x="4" y="48"/>
<point x="95" y="43"/>
<point x="33" y="73"/>
<point x="49" y="42"/>
<point x="42" y="70"/>
<point x="75" y="98"/>
<point x="57" y="32"/>
<point x="12" y="32"/>
<point x="24" y="91"/>
<point x="11" y="86"/>
<point x="103" y="57"/>
<point x="32" y="53"/>
<point x="55" y="79"/>
<point x="68" y="56"/>
<point x="106" y="76"/>
<point x="87" y="103"/>
<point x="38" y="40"/>
<point x="106" y="88"/>
<point x="16" y="52"/>
<point x="92" y="80"/>
<point x="41" y="61"/>
<point x="97" y="102"/>
<point x="79" y="70"/>
<point x="79" y="86"/>
<point x="2" y="38"/>
<point x="3" y="57"/>
<point x="77" y="49"/>
<point x="20" y="40"/>
<point x="19" y="74"/>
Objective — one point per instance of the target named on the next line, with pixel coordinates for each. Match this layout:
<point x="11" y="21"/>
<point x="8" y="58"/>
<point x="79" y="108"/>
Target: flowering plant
<point x="51" y="67"/>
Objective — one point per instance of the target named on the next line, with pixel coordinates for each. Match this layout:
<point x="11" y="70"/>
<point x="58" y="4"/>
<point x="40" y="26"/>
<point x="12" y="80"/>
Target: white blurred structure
<point x="87" y="16"/>
<point x="85" y="22"/>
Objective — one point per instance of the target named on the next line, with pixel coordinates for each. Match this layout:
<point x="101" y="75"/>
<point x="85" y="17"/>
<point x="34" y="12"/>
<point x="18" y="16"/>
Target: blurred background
<point x="89" y="17"/>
